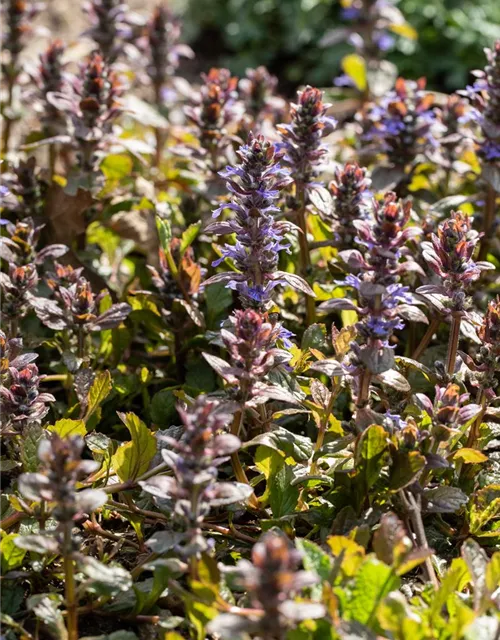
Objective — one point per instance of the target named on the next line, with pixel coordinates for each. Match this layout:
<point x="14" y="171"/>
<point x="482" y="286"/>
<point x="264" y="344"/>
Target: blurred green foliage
<point x="285" y="36"/>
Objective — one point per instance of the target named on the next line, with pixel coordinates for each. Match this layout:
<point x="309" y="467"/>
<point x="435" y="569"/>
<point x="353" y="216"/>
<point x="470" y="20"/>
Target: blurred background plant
<point x="236" y="34"/>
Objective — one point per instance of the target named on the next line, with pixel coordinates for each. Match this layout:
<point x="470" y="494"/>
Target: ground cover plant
<point x="250" y="346"/>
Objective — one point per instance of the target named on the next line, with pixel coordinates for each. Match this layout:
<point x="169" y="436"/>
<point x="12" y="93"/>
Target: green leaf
<point x="133" y="458"/>
<point x="117" y="166"/>
<point x="189" y="236"/>
<point x="372" y="452"/>
<point x="218" y="298"/>
<point x="373" y="582"/>
<point x="268" y="461"/>
<point x="314" y="337"/>
<point x="314" y="558"/>
<point x="162" y="409"/>
<point x="405" y="468"/>
<point x="67" y="427"/>
<point x="29" y="447"/>
<point x="99" y="391"/>
<point x="116" y="635"/>
<point x="104" y="579"/>
<point x="476" y="561"/>
<point x="355" y="67"/>
<point x="298" y="447"/>
<point x="283" y="496"/>
<point x="12" y="556"/>
<point x="164" y="233"/>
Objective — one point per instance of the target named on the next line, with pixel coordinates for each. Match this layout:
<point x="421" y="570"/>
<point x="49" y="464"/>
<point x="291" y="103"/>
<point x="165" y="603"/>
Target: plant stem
<point x="324" y="423"/>
<point x="418" y="527"/>
<point x="424" y="343"/>
<point x="304" y="256"/>
<point x="239" y="472"/>
<point x="69" y="581"/>
<point x="489" y="218"/>
<point x="451" y="357"/>
<point x="81" y="342"/>
<point x="474" y="430"/>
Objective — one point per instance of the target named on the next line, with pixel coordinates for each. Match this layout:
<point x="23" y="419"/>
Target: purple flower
<point x="255" y="185"/>
<point x="302" y="137"/>
<point x="403" y="125"/>
<point x="485" y="98"/>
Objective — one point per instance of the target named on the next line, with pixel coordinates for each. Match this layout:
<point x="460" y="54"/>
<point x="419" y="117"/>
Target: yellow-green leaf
<point x="405" y="30"/>
<point x="470" y="456"/>
<point x="99" y="391"/>
<point x="67" y="427"/>
<point x="133" y="458"/>
<point x="355" y="67"/>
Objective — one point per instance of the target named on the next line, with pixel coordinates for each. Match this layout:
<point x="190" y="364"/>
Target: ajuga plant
<point x="485" y="98"/>
<point x="304" y="153"/>
<point x="17" y="16"/>
<point x="187" y="448"/>
<point x="109" y="28"/>
<point x="212" y="114"/>
<point x="404" y="126"/>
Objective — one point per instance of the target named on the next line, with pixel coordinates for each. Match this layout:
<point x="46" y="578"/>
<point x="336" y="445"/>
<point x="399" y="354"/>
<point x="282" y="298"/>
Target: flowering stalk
<point x="485" y="98"/>
<point x="258" y="92"/>
<point x="212" y="113"/>
<point x="351" y="191"/>
<point x="26" y="188"/>
<point x="163" y="52"/>
<point x="251" y="343"/>
<point x="404" y="127"/>
<point x="449" y="255"/>
<point x="50" y="79"/>
<point x="303" y="154"/>
<point x="194" y="460"/>
<point x="255" y="185"/>
<point x="16" y="288"/>
<point x="485" y="366"/>
<point x="19" y="246"/>
<point x="109" y="26"/>
<point x="383" y="301"/>
<point x="17" y="16"/>
<point x="92" y="108"/>
<point x="62" y="468"/>
<point x="271" y="579"/>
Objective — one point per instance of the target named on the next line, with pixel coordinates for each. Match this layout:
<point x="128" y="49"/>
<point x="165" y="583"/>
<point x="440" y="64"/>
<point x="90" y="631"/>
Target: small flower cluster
<point x="62" y="468"/>
<point x="383" y="299"/>
<point x="255" y="184"/>
<point x="251" y="343"/>
<point x="257" y="90"/>
<point x="194" y="460"/>
<point x="21" y="402"/>
<point x="404" y="125"/>
<point x="26" y="190"/>
<point x="50" y="79"/>
<point x="450" y="256"/>
<point x="449" y="411"/>
<point x="20" y="244"/>
<point x="213" y="112"/>
<point x="77" y="307"/>
<point x="109" y="28"/>
<point x="302" y="137"/>
<point x="11" y="356"/>
<point x="162" y="49"/>
<point x="92" y="108"/>
<point x="17" y="17"/>
<point x="271" y="579"/>
<point x="370" y="20"/>
<point x="486" y="363"/>
<point x="351" y="191"/>
<point x="17" y="288"/>
<point x="485" y="97"/>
